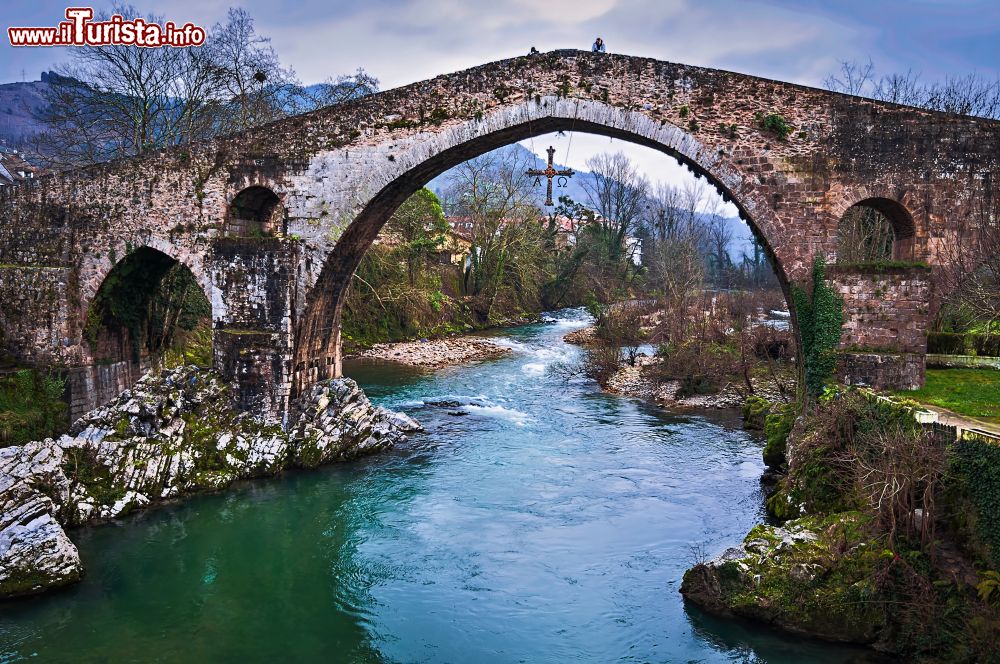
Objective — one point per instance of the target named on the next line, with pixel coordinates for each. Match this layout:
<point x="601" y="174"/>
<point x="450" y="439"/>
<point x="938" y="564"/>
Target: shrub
<point x="604" y="360"/>
<point x="957" y="343"/>
<point x="777" y="124"/>
<point x="620" y="325"/>
<point x="986" y="345"/>
<point x="946" y="343"/>
<point x="31" y="406"/>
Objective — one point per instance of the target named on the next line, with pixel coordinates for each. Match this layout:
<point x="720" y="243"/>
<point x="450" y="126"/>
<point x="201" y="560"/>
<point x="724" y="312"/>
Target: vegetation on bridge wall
<point x="31" y="406"/>
<point x="820" y="319"/>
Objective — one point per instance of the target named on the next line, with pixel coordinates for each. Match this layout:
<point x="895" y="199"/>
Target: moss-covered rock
<point x="882" y="543"/>
<point x="812" y="576"/>
<point x="755" y="410"/>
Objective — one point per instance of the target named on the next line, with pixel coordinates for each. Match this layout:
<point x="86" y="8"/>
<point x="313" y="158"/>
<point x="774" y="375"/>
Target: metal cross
<point x="550" y="173"/>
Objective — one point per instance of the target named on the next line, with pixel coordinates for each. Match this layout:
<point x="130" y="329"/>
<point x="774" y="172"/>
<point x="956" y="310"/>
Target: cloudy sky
<point x="401" y="41"/>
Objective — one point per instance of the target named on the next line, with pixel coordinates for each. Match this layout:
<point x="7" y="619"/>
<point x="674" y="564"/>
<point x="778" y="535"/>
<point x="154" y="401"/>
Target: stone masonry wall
<point x="885" y="309"/>
<point x="32" y="316"/>
<point x="886" y="313"/>
<point x="92" y="386"/>
<point x="255" y="278"/>
<point x="882" y="371"/>
<point x="339" y="172"/>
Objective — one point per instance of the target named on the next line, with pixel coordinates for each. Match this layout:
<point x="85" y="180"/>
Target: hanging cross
<point x="550" y="173"/>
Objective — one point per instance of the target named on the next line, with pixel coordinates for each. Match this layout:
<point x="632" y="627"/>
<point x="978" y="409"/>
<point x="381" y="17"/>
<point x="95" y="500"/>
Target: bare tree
<point x="617" y="192"/>
<point x="756" y="267"/>
<point x="672" y="212"/>
<point x="120" y="101"/>
<point x="720" y="236"/>
<point x="864" y="235"/>
<point x="971" y="262"/>
<point x="493" y="193"/>
<point x="251" y="80"/>
<point x="675" y="258"/>
<point x="344" y="88"/>
<point x="854" y="78"/>
<point x="971" y="94"/>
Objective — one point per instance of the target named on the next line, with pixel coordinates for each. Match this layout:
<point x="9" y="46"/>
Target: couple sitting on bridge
<point x="598" y="47"/>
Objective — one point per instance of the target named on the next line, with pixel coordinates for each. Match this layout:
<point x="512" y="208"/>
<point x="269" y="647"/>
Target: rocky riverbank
<point x="582" y="337"/>
<point x="641" y="382"/>
<point x="888" y="538"/>
<point x="436" y="353"/>
<point x="174" y="433"/>
<point x="807" y="577"/>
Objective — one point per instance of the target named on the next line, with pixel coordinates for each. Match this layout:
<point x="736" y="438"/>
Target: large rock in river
<point x="173" y="433"/>
<point x="35" y="553"/>
<point x="812" y="576"/>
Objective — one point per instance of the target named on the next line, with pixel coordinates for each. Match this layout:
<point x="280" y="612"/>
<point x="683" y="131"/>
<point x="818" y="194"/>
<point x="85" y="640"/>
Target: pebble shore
<point x="435" y="353"/>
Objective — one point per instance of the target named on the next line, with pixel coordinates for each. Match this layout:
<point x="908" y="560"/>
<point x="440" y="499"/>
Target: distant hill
<point x="19" y="105"/>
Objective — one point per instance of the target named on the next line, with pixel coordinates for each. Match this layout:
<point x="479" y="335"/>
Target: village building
<point x="14" y="167"/>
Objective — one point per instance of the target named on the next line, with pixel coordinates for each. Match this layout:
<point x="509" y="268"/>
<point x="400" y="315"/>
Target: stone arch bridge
<point x="322" y="184"/>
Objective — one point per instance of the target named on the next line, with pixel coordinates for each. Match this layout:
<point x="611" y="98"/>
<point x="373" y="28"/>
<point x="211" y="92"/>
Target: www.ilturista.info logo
<point x="80" y="30"/>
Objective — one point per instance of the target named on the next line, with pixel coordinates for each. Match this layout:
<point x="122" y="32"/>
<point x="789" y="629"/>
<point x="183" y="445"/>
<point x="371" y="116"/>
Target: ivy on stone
<point x="977" y="463"/>
<point x="820" y="319"/>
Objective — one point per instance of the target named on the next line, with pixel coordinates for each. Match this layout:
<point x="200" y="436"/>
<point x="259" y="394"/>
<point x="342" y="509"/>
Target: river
<point x="536" y="520"/>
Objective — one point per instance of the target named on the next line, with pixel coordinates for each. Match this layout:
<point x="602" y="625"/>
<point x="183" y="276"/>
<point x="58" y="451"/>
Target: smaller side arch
<point x="255" y="211"/>
<point x="148" y="306"/>
<point x="876" y="229"/>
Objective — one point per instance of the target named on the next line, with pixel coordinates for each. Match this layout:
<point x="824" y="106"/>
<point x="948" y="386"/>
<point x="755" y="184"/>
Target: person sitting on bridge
<point x="598" y="46"/>
<point x="533" y="51"/>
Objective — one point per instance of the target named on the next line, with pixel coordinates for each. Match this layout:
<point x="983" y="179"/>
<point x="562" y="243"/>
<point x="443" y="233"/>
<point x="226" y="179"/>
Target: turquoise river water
<point x="536" y="520"/>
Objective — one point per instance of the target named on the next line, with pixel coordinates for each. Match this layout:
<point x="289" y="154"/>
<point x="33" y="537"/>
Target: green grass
<point x="969" y="392"/>
<point x="30" y="406"/>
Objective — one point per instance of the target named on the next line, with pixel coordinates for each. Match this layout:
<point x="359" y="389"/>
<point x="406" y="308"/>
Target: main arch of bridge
<point x="317" y="341"/>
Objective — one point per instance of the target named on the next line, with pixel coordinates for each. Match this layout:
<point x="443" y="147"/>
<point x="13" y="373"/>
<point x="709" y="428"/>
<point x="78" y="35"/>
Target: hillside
<point x="20" y="104"/>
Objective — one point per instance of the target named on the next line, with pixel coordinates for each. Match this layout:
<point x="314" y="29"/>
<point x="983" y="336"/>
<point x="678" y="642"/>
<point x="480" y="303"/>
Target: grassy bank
<point x="969" y="392"/>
